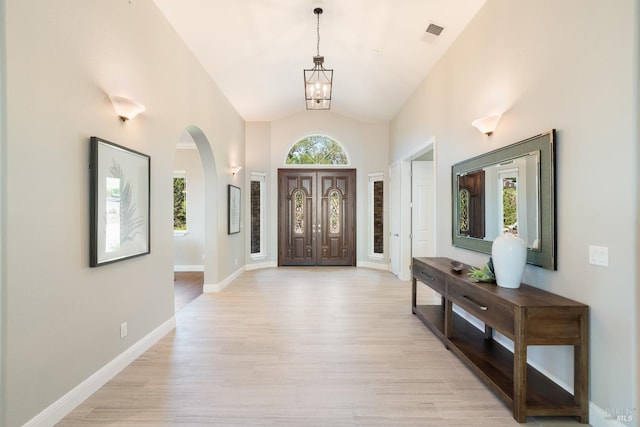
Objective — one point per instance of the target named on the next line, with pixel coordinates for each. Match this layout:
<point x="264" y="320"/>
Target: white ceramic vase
<point x="509" y="254"/>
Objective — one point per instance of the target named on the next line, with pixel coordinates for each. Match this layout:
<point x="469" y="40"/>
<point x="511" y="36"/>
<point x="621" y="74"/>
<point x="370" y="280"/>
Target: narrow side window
<point x="257" y="210"/>
<point x="180" y="202"/>
<point x="376" y="215"/>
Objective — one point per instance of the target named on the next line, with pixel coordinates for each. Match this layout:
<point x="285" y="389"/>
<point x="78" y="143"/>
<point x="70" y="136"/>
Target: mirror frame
<point x="545" y="143"/>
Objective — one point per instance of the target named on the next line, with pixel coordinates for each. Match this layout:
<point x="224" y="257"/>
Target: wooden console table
<point x="528" y="316"/>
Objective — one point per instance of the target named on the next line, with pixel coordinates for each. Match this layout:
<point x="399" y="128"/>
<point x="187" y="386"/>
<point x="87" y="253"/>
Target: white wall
<point x="188" y="249"/>
<point x="61" y="318"/>
<point x="636" y="36"/>
<point x="258" y="159"/>
<point x="569" y="65"/>
<point x="3" y="147"/>
<point x="365" y="143"/>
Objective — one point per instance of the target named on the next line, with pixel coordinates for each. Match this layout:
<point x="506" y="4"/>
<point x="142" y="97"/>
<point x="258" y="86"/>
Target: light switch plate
<point x="599" y="255"/>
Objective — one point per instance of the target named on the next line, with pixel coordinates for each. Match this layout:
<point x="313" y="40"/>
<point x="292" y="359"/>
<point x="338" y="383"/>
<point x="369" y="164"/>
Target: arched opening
<point x="195" y="261"/>
<point x="317" y="150"/>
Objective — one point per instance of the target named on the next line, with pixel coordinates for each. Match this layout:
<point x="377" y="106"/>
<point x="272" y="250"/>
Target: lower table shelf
<point x="527" y="315"/>
<point x="494" y="363"/>
<point x="433" y="317"/>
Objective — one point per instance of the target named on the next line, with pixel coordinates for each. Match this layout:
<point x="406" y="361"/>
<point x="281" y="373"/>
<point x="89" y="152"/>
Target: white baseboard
<point x="67" y="403"/>
<point x="259" y="265"/>
<point x="598" y="417"/>
<point x="217" y="287"/>
<point x="374" y="265"/>
<point x="183" y="268"/>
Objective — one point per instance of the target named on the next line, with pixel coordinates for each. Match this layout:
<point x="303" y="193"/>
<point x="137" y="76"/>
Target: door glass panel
<point x="464" y="211"/>
<point x="334" y="214"/>
<point x="298" y="222"/>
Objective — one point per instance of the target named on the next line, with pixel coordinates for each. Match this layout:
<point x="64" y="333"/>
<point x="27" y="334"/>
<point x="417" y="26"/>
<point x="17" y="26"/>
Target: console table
<point x="527" y="316"/>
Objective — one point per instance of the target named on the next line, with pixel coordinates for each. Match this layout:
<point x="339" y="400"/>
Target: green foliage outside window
<point x="179" y="204"/>
<point x="510" y="204"/>
<point x="317" y="150"/>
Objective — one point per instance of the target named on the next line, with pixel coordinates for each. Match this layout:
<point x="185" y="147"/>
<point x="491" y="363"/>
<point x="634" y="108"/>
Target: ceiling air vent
<point x="434" y="29"/>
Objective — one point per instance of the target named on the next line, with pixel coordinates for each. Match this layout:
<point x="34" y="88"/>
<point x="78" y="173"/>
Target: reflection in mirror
<point x="509" y="190"/>
<point x="501" y="198"/>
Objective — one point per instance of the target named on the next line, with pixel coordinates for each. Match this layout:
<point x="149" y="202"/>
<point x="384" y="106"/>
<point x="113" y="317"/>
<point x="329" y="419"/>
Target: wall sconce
<point x="487" y="124"/>
<point x="235" y="169"/>
<point x="126" y="108"/>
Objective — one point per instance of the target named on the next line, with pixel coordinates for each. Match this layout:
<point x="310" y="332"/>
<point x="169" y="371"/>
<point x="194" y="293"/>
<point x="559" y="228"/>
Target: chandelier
<point x="318" y="81"/>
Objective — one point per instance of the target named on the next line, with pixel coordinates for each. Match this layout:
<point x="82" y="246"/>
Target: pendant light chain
<point x="318" y="30"/>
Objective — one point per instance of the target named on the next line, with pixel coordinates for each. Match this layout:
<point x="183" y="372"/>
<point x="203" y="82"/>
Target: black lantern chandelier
<point x="318" y="81"/>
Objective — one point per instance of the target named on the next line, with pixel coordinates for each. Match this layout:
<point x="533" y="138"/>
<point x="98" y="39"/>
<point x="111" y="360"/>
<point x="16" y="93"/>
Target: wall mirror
<point x="508" y="190"/>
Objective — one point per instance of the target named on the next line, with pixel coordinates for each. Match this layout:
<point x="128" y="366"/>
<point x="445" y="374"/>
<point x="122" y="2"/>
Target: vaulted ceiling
<point x="256" y="50"/>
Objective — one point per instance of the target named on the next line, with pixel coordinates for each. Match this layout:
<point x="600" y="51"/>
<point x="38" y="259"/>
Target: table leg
<point x="581" y="370"/>
<point x="448" y="319"/>
<point x="519" y="370"/>
<point x="413" y="295"/>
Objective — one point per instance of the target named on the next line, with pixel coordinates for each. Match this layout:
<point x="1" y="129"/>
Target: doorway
<point x="316" y="217"/>
<point x="408" y="190"/>
<point x="195" y="251"/>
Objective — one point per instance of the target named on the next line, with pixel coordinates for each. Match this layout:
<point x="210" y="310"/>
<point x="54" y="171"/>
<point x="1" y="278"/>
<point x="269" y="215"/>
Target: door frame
<point x="395" y="220"/>
<point x="350" y="210"/>
<point x="403" y="186"/>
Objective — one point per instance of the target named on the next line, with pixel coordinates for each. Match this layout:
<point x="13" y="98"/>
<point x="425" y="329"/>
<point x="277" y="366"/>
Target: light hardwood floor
<point x="299" y="347"/>
<point x="187" y="286"/>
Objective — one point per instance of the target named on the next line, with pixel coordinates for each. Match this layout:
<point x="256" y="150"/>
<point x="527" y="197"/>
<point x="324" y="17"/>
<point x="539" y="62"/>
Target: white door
<point x="394" y="218"/>
<point x="423" y="212"/>
<point x="423" y="221"/>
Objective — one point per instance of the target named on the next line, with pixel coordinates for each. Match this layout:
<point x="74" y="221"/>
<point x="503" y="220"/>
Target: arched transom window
<point x="317" y="150"/>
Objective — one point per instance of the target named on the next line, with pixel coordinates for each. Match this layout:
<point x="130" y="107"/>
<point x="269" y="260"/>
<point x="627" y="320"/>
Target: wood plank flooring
<point x="187" y="287"/>
<point x="299" y="347"/>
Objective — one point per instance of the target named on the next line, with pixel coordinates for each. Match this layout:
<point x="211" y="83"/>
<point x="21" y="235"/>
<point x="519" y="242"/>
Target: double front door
<point x="316" y="216"/>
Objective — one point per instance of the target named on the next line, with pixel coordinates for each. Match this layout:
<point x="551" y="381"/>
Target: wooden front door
<point x="316" y="217"/>
<point x="472" y="215"/>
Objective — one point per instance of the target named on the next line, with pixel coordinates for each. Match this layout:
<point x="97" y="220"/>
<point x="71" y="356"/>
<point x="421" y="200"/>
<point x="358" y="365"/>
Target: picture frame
<point x="234" y="209"/>
<point x="120" y="201"/>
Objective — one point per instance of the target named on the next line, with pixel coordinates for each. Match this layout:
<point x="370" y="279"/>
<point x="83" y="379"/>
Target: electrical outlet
<point x="123" y="330"/>
<point x="599" y="255"/>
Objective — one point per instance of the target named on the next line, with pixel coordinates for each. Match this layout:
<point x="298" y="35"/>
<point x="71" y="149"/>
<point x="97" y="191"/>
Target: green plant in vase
<point x="484" y="274"/>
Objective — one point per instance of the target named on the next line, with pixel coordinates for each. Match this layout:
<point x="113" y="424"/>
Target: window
<point x="257" y="215"/>
<point x="317" y="150"/>
<point x="180" y="202"/>
<point x="508" y="203"/>
<point x="376" y="215"/>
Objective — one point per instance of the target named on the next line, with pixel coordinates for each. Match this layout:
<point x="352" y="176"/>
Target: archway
<point x="317" y="149"/>
<point x="207" y="183"/>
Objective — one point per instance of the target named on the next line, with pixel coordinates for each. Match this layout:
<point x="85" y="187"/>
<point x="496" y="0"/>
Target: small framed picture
<point x="234" y="209"/>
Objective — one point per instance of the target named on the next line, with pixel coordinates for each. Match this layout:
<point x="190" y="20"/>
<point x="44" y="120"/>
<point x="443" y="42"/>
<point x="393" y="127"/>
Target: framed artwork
<point x="234" y="209"/>
<point x="119" y="203"/>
